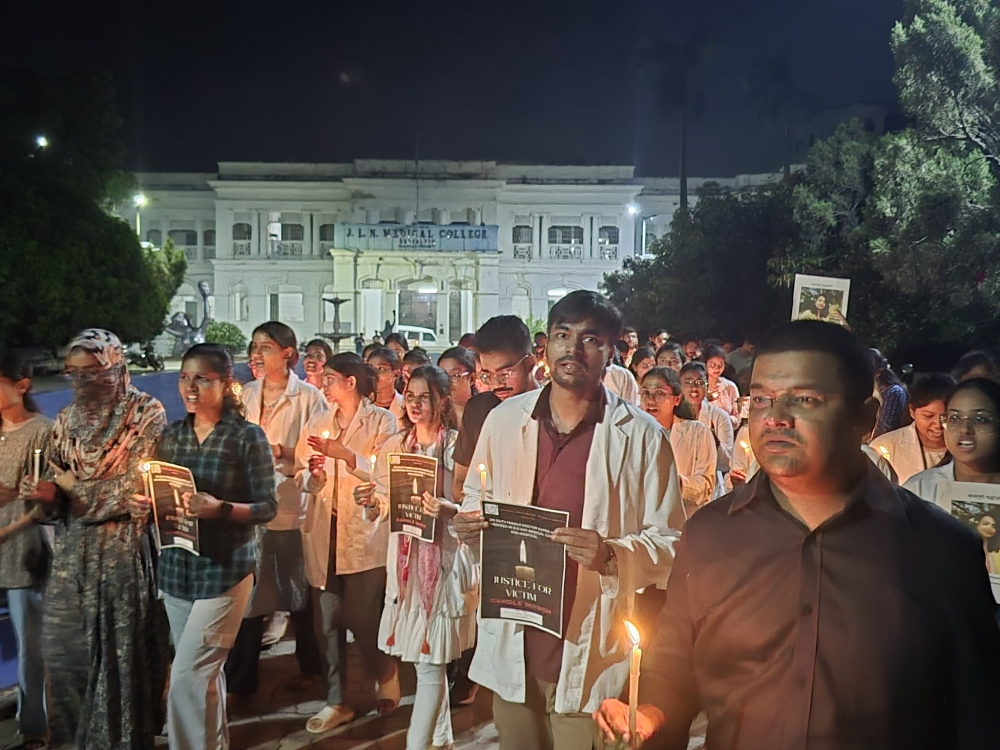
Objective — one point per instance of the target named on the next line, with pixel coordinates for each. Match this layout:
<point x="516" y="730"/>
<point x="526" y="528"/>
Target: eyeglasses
<point x="412" y="399"/>
<point x="694" y="383"/>
<point x="658" y="395"/>
<point x="982" y="423"/>
<point x="500" y="377"/>
<point x="668" y="362"/>
<point x="759" y="405"/>
<point x="458" y="377"/>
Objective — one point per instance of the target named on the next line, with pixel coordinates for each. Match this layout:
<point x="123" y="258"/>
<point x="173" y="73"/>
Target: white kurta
<point x="451" y="627"/>
<point x="361" y="545"/>
<point x="632" y="499"/>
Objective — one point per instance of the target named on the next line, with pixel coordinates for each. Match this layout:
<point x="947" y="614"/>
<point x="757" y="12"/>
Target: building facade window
<point x="292" y="233"/>
<point x="154" y="237"/>
<point x="184" y="237"/>
<point x="209" y="236"/>
<point x="286" y="307"/>
<point x="563" y="235"/>
<point x="239" y="304"/>
<point x="607" y="235"/>
<point x="521" y="235"/>
<point x="242" y="232"/>
<point x="326" y="233"/>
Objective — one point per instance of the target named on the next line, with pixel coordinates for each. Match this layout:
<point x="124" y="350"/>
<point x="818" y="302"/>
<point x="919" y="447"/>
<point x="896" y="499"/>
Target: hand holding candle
<point x="37" y="465"/>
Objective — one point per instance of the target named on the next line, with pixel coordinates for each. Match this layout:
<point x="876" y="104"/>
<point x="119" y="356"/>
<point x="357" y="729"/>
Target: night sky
<point x="546" y="82"/>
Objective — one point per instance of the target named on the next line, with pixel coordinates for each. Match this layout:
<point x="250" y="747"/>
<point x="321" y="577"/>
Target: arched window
<point x="184" y="237"/>
<point x="239" y="303"/>
<point x="154" y="237"/>
<point x="242" y="232"/>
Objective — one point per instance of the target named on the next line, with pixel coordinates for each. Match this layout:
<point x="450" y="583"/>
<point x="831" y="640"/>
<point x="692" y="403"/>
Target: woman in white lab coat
<point x="281" y="404"/>
<point x="345" y="553"/>
<point x="432" y="588"/>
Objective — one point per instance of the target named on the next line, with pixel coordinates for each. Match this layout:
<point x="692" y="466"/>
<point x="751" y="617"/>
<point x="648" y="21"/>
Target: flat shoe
<point x="388" y="694"/>
<point x="329" y="718"/>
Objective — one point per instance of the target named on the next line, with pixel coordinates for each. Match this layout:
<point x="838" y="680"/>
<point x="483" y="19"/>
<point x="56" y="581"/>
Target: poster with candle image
<point x="977" y="505"/>
<point x="410" y="476"/>
<point x="524" y="571"/>
<point x="175" y="527"/>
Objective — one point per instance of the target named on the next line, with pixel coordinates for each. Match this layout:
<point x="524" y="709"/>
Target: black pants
<point x="243" y="664"/>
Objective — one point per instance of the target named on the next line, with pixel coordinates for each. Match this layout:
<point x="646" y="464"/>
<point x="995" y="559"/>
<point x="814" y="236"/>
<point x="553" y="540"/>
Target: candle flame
<point x="744" y="445"/>
<point x="237" y="389"/>
<point x="633" y="633"/>
<point x="482" y="468"/>
<point x="325" y="434"/>
<point x="374" y="459"/>
<point x="884" y="451"/>
<point x="144" y="467"/>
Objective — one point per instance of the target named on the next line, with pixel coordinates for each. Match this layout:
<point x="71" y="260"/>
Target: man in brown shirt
<point x="820" y="607"/>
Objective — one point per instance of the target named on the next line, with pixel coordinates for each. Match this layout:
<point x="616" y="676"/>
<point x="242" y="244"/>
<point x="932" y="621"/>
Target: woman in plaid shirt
<point x="206" y="595"/>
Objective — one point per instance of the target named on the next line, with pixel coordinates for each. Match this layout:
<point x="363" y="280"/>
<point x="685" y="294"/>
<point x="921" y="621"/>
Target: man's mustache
<point x="572" y="358"/>
<point x="789" y="435"/>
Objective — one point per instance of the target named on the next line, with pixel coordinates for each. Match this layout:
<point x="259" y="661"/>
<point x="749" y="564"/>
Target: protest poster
<point x="977" y="504"/>
<point x="820" y="298"/>
<point x="523" y="570"/>
<point x="410" y="476"/>
<point x="166" y="485"/>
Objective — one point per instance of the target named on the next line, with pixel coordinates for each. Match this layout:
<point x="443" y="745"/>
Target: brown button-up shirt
<point x="875" y="631"/>
<point x="559" y="485"/>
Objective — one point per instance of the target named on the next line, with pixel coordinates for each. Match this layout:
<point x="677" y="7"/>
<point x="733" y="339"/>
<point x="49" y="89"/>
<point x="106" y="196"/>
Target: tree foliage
<point x="68" y="263"/>
<point x="226" y="334"/>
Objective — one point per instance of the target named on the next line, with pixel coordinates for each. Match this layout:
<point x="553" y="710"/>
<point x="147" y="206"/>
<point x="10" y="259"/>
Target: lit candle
<point x="633" y="682"/>
<point x="884" y="451"/>
<point x="482" y="482"/>
<point x="38" y="463"/>
<point x="325" y="434"/>
<point x="373" y="460"/>
<point x="146" y="479"/>
<point x="237" y="389"/>
<point x="746" y="450"/>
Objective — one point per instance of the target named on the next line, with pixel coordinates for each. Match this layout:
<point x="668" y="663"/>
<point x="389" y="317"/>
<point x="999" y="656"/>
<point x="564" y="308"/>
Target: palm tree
<point x="673" y="65"/>
<point x="773" y="94"/>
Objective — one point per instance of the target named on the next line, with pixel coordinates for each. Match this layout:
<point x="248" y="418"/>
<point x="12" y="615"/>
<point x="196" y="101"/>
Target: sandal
<point x="329" y="718"/>
<point x="388" y="694"/>
<point x="34" y="742"/>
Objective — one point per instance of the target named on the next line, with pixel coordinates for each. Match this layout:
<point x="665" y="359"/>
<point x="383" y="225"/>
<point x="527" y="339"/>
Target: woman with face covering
<point x="970" y="434"/>
<point x="104" y="638"/>
<point x="432" y="588"/>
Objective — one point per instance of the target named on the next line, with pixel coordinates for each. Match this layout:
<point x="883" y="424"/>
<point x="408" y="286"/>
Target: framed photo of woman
<point x="820" y="298"/>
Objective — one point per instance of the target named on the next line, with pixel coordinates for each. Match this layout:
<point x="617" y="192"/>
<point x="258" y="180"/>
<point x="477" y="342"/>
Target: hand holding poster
<point x="167" y="484"/>
<point x="978" y="505"/>
<point x="524" y="571"/>
<point x="410" y="476"/>
<point x="820" y="298"/>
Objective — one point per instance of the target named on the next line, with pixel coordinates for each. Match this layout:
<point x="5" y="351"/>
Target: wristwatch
<point x="225" y="511"/>
<point x="611" y="564"/>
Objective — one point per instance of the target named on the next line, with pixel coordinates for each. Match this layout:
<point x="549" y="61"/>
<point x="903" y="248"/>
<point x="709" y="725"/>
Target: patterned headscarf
<point x="108" y="413"/>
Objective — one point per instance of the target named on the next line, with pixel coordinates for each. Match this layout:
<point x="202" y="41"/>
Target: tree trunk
<point x="683" y="166"/>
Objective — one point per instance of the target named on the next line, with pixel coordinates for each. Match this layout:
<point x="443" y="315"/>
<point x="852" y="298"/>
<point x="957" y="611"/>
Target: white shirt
<point x="632" y="498"/>
<point x="622" y="383"/>
<point x="722" y="429"/>
<point x="294" y="408"/>
<point x="696" y="456"/>
<point x="932" y="485"/>
<point x="360" y="546"/>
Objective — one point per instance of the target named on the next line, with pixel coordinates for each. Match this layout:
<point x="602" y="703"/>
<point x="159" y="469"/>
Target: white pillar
<point x="199" y="227"/>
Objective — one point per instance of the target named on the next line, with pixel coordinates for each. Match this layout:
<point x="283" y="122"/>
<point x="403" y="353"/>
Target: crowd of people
<point x="772" y="514"/>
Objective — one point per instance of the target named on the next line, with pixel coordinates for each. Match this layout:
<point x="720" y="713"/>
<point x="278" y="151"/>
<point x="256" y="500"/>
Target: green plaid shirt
<point x="233" y="464"/>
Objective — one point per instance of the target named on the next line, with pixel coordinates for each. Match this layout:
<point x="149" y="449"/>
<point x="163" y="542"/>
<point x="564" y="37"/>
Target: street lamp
<point x="139" y="200"/>
<point x="42" y="141"/>
<point x="632" y="208"/>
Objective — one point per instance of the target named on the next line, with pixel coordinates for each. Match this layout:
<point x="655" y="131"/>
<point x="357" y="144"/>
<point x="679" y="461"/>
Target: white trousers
<point x="203" y="631"/>
<point x="430" y="722"/>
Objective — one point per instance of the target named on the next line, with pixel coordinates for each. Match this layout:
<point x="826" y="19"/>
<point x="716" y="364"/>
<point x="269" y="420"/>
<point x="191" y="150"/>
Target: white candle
<point x="38" y="463"/>
<point x="633" y="682"/>
<point x="373" y="460"/>
<point x="325" y="434"/>
<point x="482" y="483"/>
<point x="746" y="451"/>
<point x="884" y="451"/>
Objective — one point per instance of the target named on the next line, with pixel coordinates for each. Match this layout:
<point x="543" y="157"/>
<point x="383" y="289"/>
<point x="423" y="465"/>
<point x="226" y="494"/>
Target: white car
<point x="417" y="336"/>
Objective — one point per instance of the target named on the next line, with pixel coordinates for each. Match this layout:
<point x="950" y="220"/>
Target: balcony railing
<point x="209" y="252"/>
<point x="287" y="250"/>
<point x="191" y="253"/>
<point x="242" y="248"/>
<point x="609" y="252"/>
<point x="522" y="252"/>
<point x="566" y="252"/>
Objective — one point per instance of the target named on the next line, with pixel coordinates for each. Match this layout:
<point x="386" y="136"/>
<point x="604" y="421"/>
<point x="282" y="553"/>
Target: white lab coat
<point x="361" y="545"/>
<point x="622" y="383"/>
<point x="632" y="499"/>
<point x="722" y="429"/>
<point x="906" y="454"/>
<point x="696" y="456"/>
<point x="294" y="409"/>
<point x="932" y="485"/>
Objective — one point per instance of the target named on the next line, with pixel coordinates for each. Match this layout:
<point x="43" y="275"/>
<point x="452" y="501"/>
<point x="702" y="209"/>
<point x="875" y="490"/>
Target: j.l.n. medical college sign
<point x="446" y="238"/>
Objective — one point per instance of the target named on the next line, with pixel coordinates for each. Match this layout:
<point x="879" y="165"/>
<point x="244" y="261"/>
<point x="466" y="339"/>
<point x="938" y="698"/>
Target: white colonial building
<point x="430" y="245"/>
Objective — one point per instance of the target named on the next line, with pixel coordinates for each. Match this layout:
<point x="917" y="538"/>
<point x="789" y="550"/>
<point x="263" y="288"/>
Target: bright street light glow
<point x="633" y="209"/>
<point x="42" y="141"/>
<point x="139" y="200"/>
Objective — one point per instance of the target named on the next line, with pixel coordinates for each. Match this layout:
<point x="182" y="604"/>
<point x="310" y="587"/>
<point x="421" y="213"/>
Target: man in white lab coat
<point x="574" y="446"/>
